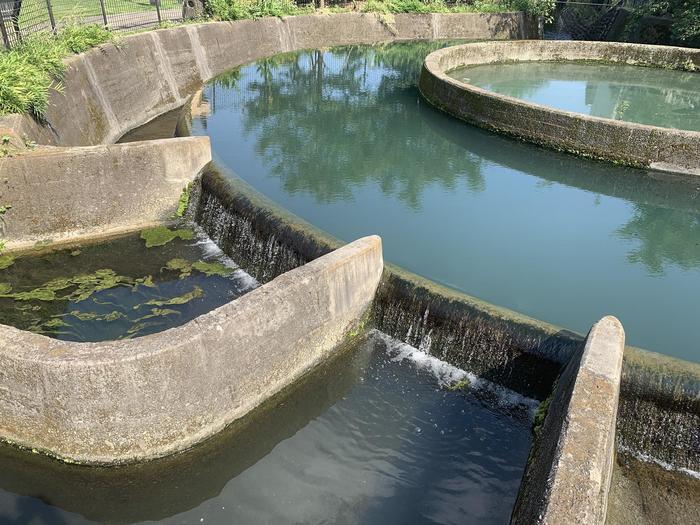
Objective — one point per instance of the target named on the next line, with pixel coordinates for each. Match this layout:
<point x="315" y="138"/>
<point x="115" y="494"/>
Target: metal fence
<point x="21" y="18"/>
<point x="588" y="20"/>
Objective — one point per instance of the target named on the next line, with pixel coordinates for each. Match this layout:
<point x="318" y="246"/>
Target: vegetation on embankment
<point x="241" y="9"/>
<point x="35" y="66"/>
<point x="31" y="69"/>
<point x="684" y="29"/>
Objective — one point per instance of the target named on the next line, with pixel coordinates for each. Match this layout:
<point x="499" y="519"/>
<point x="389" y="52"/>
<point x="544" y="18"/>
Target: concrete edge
<point x="165" y="66"/>
<point x="568" y="475"/>
<point x="123" y="401"/>
<point x="68" y="195"/>
<point x="639" y="145"/>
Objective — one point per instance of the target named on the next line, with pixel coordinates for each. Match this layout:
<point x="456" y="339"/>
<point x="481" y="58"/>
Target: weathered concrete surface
<point x="115" y="88"/>
<point x="122" y="401"/>
<point x="58" y="194"/>
<point x="626" y="142"/>
<point x="644" y="493"/>
<point x="570" y="467"/>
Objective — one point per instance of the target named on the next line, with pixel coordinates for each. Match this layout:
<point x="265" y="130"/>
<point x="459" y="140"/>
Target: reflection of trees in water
<point x="666" y="237"/>
<point x="326" y="122"/>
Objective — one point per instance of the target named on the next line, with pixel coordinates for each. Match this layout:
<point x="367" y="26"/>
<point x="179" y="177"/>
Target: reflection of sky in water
<point x="645" y="95"/>
<point x="562" y="239"/>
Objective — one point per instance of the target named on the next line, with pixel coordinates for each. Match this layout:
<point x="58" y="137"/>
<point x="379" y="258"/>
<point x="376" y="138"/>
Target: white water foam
<point x="449" y="376"/>
<point x="646" y="458"/>
<point x="212" y="251"/>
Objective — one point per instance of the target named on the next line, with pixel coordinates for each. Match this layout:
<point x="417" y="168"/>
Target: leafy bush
<point x="33" y="68"/>
<point x="537" y="7"/>
<point x="685" y="15"/>
<point x="241" y="9"/>
<point x="78" y="39"/>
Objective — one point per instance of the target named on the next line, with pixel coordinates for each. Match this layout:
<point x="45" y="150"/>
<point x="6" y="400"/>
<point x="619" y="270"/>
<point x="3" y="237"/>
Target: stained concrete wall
<point x="625" y="142"/>
<point x="59" y="194"/>
<point x="570" y="466"/>
<point x="120" y="401"/>
<point x="115" y="88"/>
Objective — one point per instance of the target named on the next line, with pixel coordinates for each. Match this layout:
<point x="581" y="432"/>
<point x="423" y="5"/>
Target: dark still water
<point x="123" y="288"/>
<point x="342" y="138"/>
<point x="383" y="434"/>
<point x="646" y="95"/>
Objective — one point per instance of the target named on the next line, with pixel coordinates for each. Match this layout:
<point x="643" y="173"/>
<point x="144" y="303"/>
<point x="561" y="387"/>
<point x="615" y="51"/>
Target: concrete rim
<point x="463" y="100"/>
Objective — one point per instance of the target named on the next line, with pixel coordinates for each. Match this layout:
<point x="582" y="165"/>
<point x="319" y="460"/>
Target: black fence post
<point x="104" y="12"/>
<point x="51" y="18"/>
<point x="3" y="30"/>
<point x="160" y="20"/>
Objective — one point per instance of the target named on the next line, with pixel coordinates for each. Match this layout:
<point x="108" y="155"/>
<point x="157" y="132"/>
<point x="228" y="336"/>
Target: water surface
<point x="646" y="95"/>
<point x="376" y="436"/>
<point x="118" y="289"/>
<point x="342" y="138"/>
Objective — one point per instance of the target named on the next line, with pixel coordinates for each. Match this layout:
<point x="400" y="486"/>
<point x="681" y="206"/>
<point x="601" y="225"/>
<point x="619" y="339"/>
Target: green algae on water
<point x="207" y="268"/>
<point x="180" y="299"/>
<point x="212" y="268"/>
<point x="162" y="235"/>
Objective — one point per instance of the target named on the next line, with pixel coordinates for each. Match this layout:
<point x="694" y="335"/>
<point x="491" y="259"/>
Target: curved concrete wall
<point x="120" y="401"/>
<point x="626" y="142"/>
<point x="61" y="194"/>
<point x="115" y="88"/>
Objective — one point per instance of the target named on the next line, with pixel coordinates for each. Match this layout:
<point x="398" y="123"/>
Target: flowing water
<point x="118" y="289"/>
<point x="646" y="95"/>
<point x="342" y="138"/>
<point x="383" y="434"/>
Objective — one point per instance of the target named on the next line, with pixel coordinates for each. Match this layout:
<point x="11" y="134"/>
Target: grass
<point x="82" y="9"/>
<point x="35" y="67"/>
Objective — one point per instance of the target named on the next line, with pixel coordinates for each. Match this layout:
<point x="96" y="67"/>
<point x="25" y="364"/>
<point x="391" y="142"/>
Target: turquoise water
<point x="343" y="139"/>
<point x="376" y="436"/>
<point x="659" y="97"/>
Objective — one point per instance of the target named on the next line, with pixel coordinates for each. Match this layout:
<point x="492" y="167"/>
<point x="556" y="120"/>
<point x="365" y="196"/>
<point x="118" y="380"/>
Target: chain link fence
<point x="22" y="18"/>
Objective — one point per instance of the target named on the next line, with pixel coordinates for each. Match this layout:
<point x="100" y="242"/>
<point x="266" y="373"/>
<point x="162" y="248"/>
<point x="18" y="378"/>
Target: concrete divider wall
<point x="115" y="88"/>
<point x="120" y="401"/>
<point x="59" y="194"/>
<point x="626" y="142"/>
<point x="570" y="467"/>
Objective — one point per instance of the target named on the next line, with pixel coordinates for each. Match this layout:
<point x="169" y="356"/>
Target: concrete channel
<point x="569" y="472"/>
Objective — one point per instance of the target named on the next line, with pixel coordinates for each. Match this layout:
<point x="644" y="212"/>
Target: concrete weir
<point x="121" y="401"/>
<point x="629" y="143"/>
<point x="568" y="475"/>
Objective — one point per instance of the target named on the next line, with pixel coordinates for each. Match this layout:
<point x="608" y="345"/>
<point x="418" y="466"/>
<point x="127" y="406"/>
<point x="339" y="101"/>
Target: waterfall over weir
<point x="267" y="242"/>
<point x="519" y="353"/>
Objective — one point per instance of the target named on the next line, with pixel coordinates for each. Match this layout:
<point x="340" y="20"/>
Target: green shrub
<point x="536" y="7"/>
<point x="80" y="38"/>
<point x="685" y="15"/>
<point x="242" y="9"/>
<point x="33" y="68"/>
